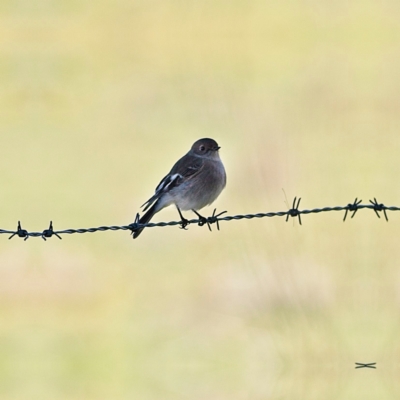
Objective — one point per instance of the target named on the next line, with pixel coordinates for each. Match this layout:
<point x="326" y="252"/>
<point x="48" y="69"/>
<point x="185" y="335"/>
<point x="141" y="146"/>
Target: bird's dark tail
<point x="145" y="219"/>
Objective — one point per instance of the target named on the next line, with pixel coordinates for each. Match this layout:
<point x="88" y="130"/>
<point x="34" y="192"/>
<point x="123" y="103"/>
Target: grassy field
<point x="99" y="99"/>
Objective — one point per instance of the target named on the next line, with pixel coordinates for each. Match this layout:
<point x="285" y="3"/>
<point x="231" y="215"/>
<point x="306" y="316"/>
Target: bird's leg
<point x="202" y="220"/>
<point x="184" y="222"/>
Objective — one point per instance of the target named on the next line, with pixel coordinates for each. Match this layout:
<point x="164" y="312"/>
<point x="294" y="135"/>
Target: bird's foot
<point x="184" y="223"/>
<point x="202" y="220"/>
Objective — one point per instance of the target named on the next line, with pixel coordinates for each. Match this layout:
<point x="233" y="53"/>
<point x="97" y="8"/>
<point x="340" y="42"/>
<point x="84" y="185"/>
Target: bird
<point x="195" y="181"/>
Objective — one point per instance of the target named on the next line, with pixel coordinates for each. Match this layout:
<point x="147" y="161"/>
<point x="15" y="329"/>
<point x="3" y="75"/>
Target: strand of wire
<point x="214" y="218"/>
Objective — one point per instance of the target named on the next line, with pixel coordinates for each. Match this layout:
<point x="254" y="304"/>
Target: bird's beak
<point x="217" y="148"/>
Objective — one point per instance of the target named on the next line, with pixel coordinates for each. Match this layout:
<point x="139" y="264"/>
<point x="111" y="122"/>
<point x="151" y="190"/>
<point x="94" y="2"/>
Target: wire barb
<point x="214" y="218"/>
<point x="352" y="207"/>
<point x="47" y="233"/>
<point x="22" y="233"/>
<point x="379" y="207"/>
<point x="134" y="226"/>
<point x="294" y="211"/>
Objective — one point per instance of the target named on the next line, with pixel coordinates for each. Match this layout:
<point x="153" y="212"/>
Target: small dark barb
<point x="22" y="233"/>
<point x="352" y="207"/>
<point x="379" y="207"/>
<point x="294" y="211"/>
<point x="214" y="219"/>
<point x="49" y="232"/>
<point x="367" y="365"/>
<point x="209" y="220"/>
<point x="134" y="225"/>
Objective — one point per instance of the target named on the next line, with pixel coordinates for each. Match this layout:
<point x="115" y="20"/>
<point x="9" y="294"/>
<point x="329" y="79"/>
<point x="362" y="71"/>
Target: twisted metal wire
<point x="214" y="218"/>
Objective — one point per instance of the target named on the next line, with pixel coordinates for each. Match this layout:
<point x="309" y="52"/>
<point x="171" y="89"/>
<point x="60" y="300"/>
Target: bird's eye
<point x="202" y="148"/>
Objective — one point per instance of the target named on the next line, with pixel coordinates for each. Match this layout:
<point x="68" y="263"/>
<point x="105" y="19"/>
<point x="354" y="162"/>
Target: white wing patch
<point x="165" y="185"/>
<point x="167" y="182"/>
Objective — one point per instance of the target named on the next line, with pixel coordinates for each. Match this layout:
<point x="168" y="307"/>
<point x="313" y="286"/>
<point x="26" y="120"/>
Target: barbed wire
<point x="214" y="218"/>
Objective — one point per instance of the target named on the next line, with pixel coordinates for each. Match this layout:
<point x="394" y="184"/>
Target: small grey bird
<point x="194" y="182"/>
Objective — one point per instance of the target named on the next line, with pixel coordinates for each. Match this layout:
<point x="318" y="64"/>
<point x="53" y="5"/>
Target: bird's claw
<point x="184" y="223"/>
<point x="202" y="220"/>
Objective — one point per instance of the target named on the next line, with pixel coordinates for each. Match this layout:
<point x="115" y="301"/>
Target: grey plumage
<point x="195" y="181"/>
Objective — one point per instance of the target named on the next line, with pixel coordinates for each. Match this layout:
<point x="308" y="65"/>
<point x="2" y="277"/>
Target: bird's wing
<point x="186" y="167"/>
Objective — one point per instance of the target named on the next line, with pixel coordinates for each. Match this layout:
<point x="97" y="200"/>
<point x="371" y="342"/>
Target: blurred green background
<point x="99" y="99"/>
